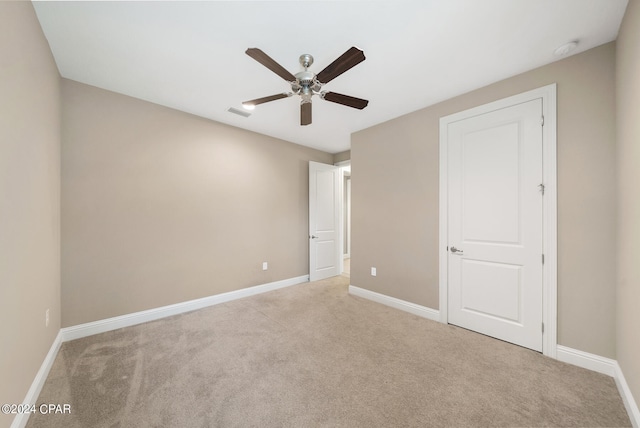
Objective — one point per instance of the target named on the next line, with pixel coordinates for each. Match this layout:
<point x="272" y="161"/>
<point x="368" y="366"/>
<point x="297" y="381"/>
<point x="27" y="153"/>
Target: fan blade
<point x="347" y="60"/>
<point x="265" y="99"/>
<point x="268" y="62"/>
<point x="305" y="114"/>
<point x="345" y="100"/>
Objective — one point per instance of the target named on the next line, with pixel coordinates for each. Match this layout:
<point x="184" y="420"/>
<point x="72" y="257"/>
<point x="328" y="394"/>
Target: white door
<point x="324" y="221"/>
<point x="495" y="223"/>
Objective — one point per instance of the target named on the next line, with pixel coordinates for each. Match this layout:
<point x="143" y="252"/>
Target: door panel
<point x="324" y="221"/>
<point x="495" y="223"/>
<point x="325" y="194"/>
<point x="491" y="185"/>
<point x="325" y="258"/>
<point x="484" y="280"/>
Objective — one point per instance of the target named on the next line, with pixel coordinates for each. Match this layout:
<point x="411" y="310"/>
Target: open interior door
<point x="324" y="221"/>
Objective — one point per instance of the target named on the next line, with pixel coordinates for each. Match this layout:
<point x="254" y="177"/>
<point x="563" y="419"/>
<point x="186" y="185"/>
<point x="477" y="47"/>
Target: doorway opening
<point x="345" y="172"/>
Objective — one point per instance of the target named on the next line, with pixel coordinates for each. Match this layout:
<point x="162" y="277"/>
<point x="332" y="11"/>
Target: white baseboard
<point x="605" y="366"/>
<point x="586" y="360"/>
<point x="565" y="354"/>
<point x="101" y="326"/>
<point x="627" y="397"/>
<point x="20" y="421"/>
<point x="421" y="311"/>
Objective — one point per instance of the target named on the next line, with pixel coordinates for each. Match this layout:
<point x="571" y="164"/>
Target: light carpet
<point x="311" y="355"/>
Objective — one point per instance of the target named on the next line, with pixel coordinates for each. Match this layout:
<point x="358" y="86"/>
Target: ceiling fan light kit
<point x="306" y="84"/>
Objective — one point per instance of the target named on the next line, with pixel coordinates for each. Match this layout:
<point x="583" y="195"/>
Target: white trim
<point x="550" y="213"/>
<point x="101" y="326"/>
<point x="627" y="397"/>
<point x="550" y="221"/>
<point x="20" y="421"/>
<point x="341" y="167"/>
<point x="586" y="360"/>
<point x="346" y="215"/>
<point x="443" y="233"/>
<point x="605" y="366"/>
<point x="565" y="354"/>
<point x="421" y="311"/>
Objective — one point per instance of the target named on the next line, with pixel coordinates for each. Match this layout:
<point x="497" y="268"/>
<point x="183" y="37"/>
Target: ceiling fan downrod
<point x="306" y="83"/>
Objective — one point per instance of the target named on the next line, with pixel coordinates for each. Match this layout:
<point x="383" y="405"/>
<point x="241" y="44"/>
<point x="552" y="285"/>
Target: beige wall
<point x="395" y="197"/>
<point x="29" y="200"/>
<point x="628" y="127"/>
<point x="342" y="156"/>
<point x="160" y="207"/>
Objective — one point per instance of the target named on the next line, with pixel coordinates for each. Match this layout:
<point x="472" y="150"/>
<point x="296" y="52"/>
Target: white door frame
<point x="550" y="214"/>
<point x="346" y="208"/>
<point x="342" y="208"/>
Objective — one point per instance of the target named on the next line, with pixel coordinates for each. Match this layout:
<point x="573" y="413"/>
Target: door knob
<point x="455" y="250"/>
<point x="313" y="237"/>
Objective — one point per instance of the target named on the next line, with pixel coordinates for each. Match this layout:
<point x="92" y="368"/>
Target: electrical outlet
<point x="46" y="318"/>
<point x="373" y="271"/>
<point x="265" y="265"/>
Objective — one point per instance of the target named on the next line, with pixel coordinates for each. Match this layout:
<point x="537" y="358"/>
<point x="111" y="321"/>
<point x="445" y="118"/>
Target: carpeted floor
<point x="313" y="356"/>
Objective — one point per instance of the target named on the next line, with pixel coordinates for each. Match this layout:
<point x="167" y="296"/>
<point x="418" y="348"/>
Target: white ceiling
<point x="190" y="55"/>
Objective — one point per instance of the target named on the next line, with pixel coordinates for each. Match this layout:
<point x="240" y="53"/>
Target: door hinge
<point x="543" y="259"/>
<point x="541" y="188"/>
<point x="541" y="120"/>
<point x="543" y="327"/>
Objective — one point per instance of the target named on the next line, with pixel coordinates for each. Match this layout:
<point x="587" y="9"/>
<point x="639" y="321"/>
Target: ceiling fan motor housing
<point x="305" y="78"/>
<point x="306" y="84"/>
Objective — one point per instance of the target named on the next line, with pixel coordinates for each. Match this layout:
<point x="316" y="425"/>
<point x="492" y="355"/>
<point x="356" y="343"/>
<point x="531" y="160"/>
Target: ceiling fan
<point x="307" y="84"/>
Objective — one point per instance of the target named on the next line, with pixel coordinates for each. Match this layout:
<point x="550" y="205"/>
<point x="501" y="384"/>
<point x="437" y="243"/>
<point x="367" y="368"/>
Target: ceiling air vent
<point x="239" y="112"/>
